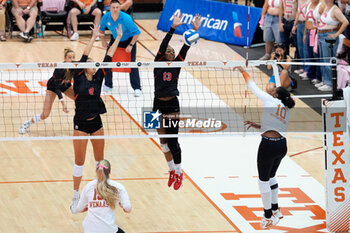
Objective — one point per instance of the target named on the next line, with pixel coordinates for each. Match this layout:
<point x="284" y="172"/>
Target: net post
<point x="276" y="74"/>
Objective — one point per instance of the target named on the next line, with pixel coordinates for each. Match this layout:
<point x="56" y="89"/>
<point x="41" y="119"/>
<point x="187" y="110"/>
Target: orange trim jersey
<point x="275" y="115"/>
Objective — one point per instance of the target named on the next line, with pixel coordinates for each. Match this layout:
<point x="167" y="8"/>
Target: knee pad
<point x="264" y="186"/>
<point x="165" y="147"/>
<point x="78" y="170"/>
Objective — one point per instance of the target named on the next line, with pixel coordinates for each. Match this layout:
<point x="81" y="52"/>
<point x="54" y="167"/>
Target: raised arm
<point x="183" y="52"/>
<point x="253" y="87"/>
<point x="95" y="33"/>
<point x="163" y="46"/>
<point x="114" y="46"/>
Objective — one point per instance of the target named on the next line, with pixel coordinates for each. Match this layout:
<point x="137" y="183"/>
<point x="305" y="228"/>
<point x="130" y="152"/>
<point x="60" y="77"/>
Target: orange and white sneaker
<point x="171" y="178"/>
<point x="277" y="213"/>
<point x="269" y="222"/>
<point x="178" y="181"/>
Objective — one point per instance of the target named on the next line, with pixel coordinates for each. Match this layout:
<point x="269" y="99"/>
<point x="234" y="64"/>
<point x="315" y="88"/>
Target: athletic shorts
<point x="270" y="153"/>
<point x="91" y="10"/>
<point x="51" y="86"/>
<point x="166" y="107"/>
<point x="88" y="126"/>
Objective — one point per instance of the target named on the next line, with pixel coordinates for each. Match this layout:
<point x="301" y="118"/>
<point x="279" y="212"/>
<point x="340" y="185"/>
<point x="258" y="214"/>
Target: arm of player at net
<point x="265" y="97"/>
<point x="115" y="44"/>
<point x="183" y="52"/>
<point x="164" y="44"/>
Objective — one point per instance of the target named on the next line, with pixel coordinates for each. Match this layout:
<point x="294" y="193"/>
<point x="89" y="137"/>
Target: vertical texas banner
<point x="223" y="22"/>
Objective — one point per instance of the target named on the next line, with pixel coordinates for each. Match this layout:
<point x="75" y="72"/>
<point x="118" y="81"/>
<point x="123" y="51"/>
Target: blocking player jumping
<point x="273" y="145"/>
<point x="88" y="108"/>
<point x="166" y="101"/>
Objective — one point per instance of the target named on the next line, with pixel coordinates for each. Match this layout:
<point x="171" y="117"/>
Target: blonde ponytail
<point x="107" y="192"/>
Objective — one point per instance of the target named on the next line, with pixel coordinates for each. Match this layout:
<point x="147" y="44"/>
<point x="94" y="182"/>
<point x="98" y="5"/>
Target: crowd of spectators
<point x="311" y="25"/>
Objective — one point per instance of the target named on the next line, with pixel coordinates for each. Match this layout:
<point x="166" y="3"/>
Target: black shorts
<point x="166" y="107"/>
<point x="271" y="152"/>
<point x="51" y="86"/>
<point x="88" y="126"/>
<point x="91" y="10"/>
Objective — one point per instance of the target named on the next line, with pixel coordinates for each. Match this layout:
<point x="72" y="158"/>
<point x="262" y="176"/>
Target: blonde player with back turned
<point x="273" y="145"/>
<point x="100" y="197"/>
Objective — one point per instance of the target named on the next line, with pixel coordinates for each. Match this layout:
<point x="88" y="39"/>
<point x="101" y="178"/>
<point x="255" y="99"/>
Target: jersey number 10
<point x="281" y="111"/>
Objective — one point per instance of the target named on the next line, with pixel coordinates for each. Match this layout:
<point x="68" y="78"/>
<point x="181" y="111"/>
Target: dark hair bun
<point x="284" y="96"/>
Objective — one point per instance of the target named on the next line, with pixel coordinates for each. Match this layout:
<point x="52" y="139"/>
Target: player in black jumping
<point x="166" y="101"/>
<point x="59" y="83"/>
<point x="88" y="107"/>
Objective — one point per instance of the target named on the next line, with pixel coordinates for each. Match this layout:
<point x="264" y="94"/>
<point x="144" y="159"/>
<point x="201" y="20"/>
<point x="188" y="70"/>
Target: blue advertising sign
<point x="223" y="22"/>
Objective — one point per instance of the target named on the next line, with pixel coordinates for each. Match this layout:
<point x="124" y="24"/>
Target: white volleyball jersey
<point x="275" y="115"/>
<point x="100" y="217"/>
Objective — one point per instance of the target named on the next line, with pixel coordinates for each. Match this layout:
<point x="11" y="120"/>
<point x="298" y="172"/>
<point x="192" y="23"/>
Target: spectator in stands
<point x="125" y="5"/>
<point x="22" y="8"/>
<point x="311" y="51"/>
<point x="130" y="34"/>
<point x="286" y="21"/>
<point x="269" y="20"/>
<point x="86" y="7"/>
<point x="331" y="24"/>
<point x="2" y="20"/>
<point x="284" y="70"/>
<point x="346" y="9"/>
<point x="298" y="28"/>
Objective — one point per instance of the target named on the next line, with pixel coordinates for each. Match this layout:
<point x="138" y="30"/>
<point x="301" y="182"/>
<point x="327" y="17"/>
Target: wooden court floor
<point x="36" y="181"/>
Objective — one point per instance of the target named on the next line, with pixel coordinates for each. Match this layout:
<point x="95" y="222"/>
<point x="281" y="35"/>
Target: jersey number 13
<point x="167" y="76"/>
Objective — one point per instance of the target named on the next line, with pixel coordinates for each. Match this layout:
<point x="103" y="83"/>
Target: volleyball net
<point x="214" y="100"/>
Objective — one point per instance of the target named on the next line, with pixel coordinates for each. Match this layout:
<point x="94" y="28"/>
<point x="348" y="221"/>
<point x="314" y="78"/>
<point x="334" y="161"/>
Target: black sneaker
<point x="29" y="39"/>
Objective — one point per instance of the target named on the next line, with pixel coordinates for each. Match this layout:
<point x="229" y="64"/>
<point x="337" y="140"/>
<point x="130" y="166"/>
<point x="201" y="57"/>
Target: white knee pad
<point x="264" y="186"/>
<point x="165" y="147"/>
<point x="78" y="170"/>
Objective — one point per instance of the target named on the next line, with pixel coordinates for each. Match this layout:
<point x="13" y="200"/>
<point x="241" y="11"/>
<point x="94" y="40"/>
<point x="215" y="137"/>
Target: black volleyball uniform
<point x="88" y="102"/>
<point x="166" y="79"/>
<point x="57" y="83"/>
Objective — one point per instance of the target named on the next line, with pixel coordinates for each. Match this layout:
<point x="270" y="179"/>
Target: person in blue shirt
<point x="128" y="41"/>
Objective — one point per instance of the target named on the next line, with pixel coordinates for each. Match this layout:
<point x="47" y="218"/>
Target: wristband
<point x="131" y="45"/>
<point x="246" y="75"/>
<point x="62" y="100"/>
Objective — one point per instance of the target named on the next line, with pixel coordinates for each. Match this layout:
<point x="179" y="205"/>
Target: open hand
<point x="119" y="30"/>
<point x="197" y="22"/>
<point x="95" y="31"/>
<point x="177" y="20"/>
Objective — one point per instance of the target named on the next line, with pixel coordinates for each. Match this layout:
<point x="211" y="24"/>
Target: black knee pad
<point x="175" y="149"/>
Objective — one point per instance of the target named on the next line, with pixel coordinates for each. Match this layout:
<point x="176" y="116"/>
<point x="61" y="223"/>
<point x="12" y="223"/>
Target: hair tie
<point x="102" y="166"/>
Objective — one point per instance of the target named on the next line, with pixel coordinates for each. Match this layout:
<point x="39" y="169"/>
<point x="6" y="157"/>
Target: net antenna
<point x="246" y="65"/>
